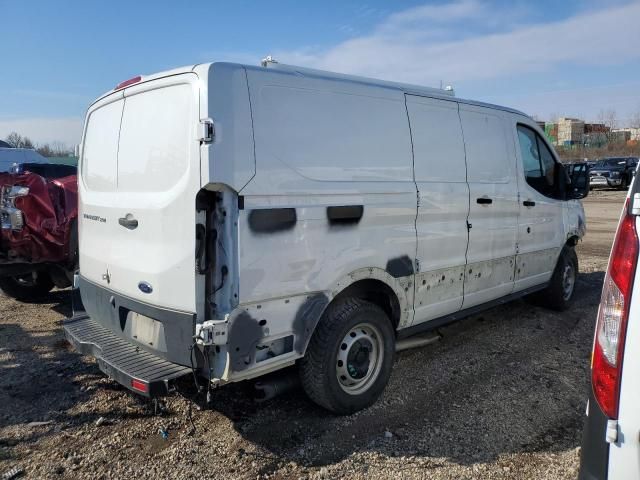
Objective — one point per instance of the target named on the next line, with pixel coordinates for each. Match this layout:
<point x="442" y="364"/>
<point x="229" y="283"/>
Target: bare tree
<point x="54" y="149"/>
<point x="634" y="121"/>
<point x="45" y="150"/>
<point x="609" y="118"/>
<point x="18" y="141"/>
<point x="60" y="149"/>
<point x="14" y="139"/>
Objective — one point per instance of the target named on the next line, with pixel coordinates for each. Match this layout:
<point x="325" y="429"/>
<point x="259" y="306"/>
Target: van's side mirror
<point x="578" y="185"/>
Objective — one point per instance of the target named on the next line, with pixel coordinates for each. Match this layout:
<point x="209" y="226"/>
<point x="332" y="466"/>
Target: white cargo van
<point x="235" y="220"/>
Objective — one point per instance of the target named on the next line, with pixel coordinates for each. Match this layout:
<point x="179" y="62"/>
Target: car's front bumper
<point x="596" y="181"/>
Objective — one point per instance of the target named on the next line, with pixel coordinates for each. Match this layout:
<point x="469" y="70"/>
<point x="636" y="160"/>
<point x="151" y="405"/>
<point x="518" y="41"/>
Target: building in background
<point x="630" y="133"/>
<point x="620" y="135"/>
<point x="570" y="131"/>
<point x="551" y="132"/>
<point x="595" y="135"/>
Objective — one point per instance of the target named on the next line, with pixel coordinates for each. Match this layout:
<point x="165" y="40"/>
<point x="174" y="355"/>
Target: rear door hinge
<point x="611" y="435"/>
<point x="469" y="226"/>
<point x="417" y="265"/>
<point x="207" y="131"/>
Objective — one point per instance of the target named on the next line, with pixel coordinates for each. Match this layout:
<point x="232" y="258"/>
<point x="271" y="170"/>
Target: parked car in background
<point x="17" y="156"/>
<point x="278" y="215"/>
<point x="611" y="443"/>
<point x="613" y="172"/>
<point x="38" y="224"/>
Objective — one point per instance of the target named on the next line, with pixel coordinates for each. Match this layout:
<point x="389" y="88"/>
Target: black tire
<point x="624" y="184"/>
<point x="319" y="368"/>
<point x="557" y="296"/>
<point x="26" y="288"/>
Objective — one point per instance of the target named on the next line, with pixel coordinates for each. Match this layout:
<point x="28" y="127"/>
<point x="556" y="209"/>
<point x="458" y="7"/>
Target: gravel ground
<point x="501" y="395"/>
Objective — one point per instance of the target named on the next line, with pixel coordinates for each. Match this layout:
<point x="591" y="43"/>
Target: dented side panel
<point x="534" y="268"/>
<point x="439" y="292"/>
<point x="318" y="253"/>
<point x="488" y="280"/>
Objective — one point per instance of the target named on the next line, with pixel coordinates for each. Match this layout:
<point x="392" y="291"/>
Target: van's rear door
<point x="139" y="175"/>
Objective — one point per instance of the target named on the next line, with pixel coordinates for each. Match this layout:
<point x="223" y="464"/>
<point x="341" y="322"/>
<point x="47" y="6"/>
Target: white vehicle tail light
<point x="613" y="315"/>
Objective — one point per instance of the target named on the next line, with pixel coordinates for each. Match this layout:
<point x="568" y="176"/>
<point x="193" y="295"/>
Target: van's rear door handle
<point x="484" y="200"/>
<point x="529" y="203"/>
<point x="128" y="222"/>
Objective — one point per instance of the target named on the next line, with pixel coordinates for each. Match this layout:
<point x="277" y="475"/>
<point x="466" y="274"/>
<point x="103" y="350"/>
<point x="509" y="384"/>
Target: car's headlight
<point x="615" y="174"/>
<point x="9" y="193"/>
<point x="11" y="217"/>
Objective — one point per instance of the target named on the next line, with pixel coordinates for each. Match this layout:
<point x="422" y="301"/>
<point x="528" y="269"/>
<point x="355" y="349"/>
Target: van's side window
<point x="538" y="162"/>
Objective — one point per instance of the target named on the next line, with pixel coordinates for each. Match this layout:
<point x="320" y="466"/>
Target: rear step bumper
<point x="141" y="372"/>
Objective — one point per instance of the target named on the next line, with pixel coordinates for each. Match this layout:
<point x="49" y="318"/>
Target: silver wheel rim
<point x="568" y="281"/>
<point x="359" y="358"/>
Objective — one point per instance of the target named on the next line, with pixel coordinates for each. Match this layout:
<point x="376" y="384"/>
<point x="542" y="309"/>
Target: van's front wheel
<point x="559" y="293"/>
<point x="349" y="358"/>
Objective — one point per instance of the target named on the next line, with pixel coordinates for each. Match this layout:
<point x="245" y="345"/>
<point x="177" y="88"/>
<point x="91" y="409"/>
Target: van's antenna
<point x="267" y="60"/>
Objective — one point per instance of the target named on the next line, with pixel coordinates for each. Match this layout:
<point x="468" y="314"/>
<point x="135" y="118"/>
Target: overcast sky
<point x="545" y="57"/>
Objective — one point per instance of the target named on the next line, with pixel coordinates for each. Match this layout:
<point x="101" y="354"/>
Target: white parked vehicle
<point x="239" y="219"/>
<point x="611" y="442"/>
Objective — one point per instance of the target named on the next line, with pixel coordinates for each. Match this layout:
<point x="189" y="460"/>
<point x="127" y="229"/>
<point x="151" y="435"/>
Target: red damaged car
<point x="39" y="234"/>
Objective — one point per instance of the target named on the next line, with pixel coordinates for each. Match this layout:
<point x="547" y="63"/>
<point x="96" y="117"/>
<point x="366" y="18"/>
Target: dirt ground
<point x="502" y="395"/>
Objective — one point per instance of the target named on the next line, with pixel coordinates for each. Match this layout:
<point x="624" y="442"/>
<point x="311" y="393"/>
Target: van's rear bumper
<point x="594" y="458"/>
<point x="140" y="371"/>
<point x="111" y="310"/>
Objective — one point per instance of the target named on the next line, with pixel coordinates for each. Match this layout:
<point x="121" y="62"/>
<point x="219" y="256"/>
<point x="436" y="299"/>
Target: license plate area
<point x="146" y="330"/>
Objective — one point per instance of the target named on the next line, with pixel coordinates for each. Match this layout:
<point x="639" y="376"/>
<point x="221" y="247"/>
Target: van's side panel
<point x="440" y="173"/>
<point x="493" y="205"/>
<point x="333" y="194"/>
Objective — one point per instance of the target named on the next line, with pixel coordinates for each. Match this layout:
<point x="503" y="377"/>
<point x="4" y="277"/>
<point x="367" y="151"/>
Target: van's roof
<point x="322" y="74"/>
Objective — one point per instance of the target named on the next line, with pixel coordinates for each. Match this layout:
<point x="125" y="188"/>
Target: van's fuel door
<point x="207" y="131"/>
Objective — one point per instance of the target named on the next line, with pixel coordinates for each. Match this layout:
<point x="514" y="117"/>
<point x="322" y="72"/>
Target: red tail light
<point x="140" y="386"/>
<point x="126" y="83"/>
<point x="613" y="314"/>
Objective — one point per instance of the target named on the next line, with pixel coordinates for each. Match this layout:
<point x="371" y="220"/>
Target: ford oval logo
<point x="145" y="287"/>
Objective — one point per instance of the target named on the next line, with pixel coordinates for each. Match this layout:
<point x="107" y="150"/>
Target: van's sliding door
<point x="493" y="205"/>
<point x="441" y="223"/>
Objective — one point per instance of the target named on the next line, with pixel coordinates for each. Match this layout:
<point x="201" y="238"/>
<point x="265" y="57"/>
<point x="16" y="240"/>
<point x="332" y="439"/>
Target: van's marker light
<point x="140" y="386"/>
<point x="126" y="83"/>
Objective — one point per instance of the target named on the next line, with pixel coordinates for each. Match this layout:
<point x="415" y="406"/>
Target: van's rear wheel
<point x="27" y="287"/>
<point x="349" y="359"/>
<point x="559" y="293"/>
